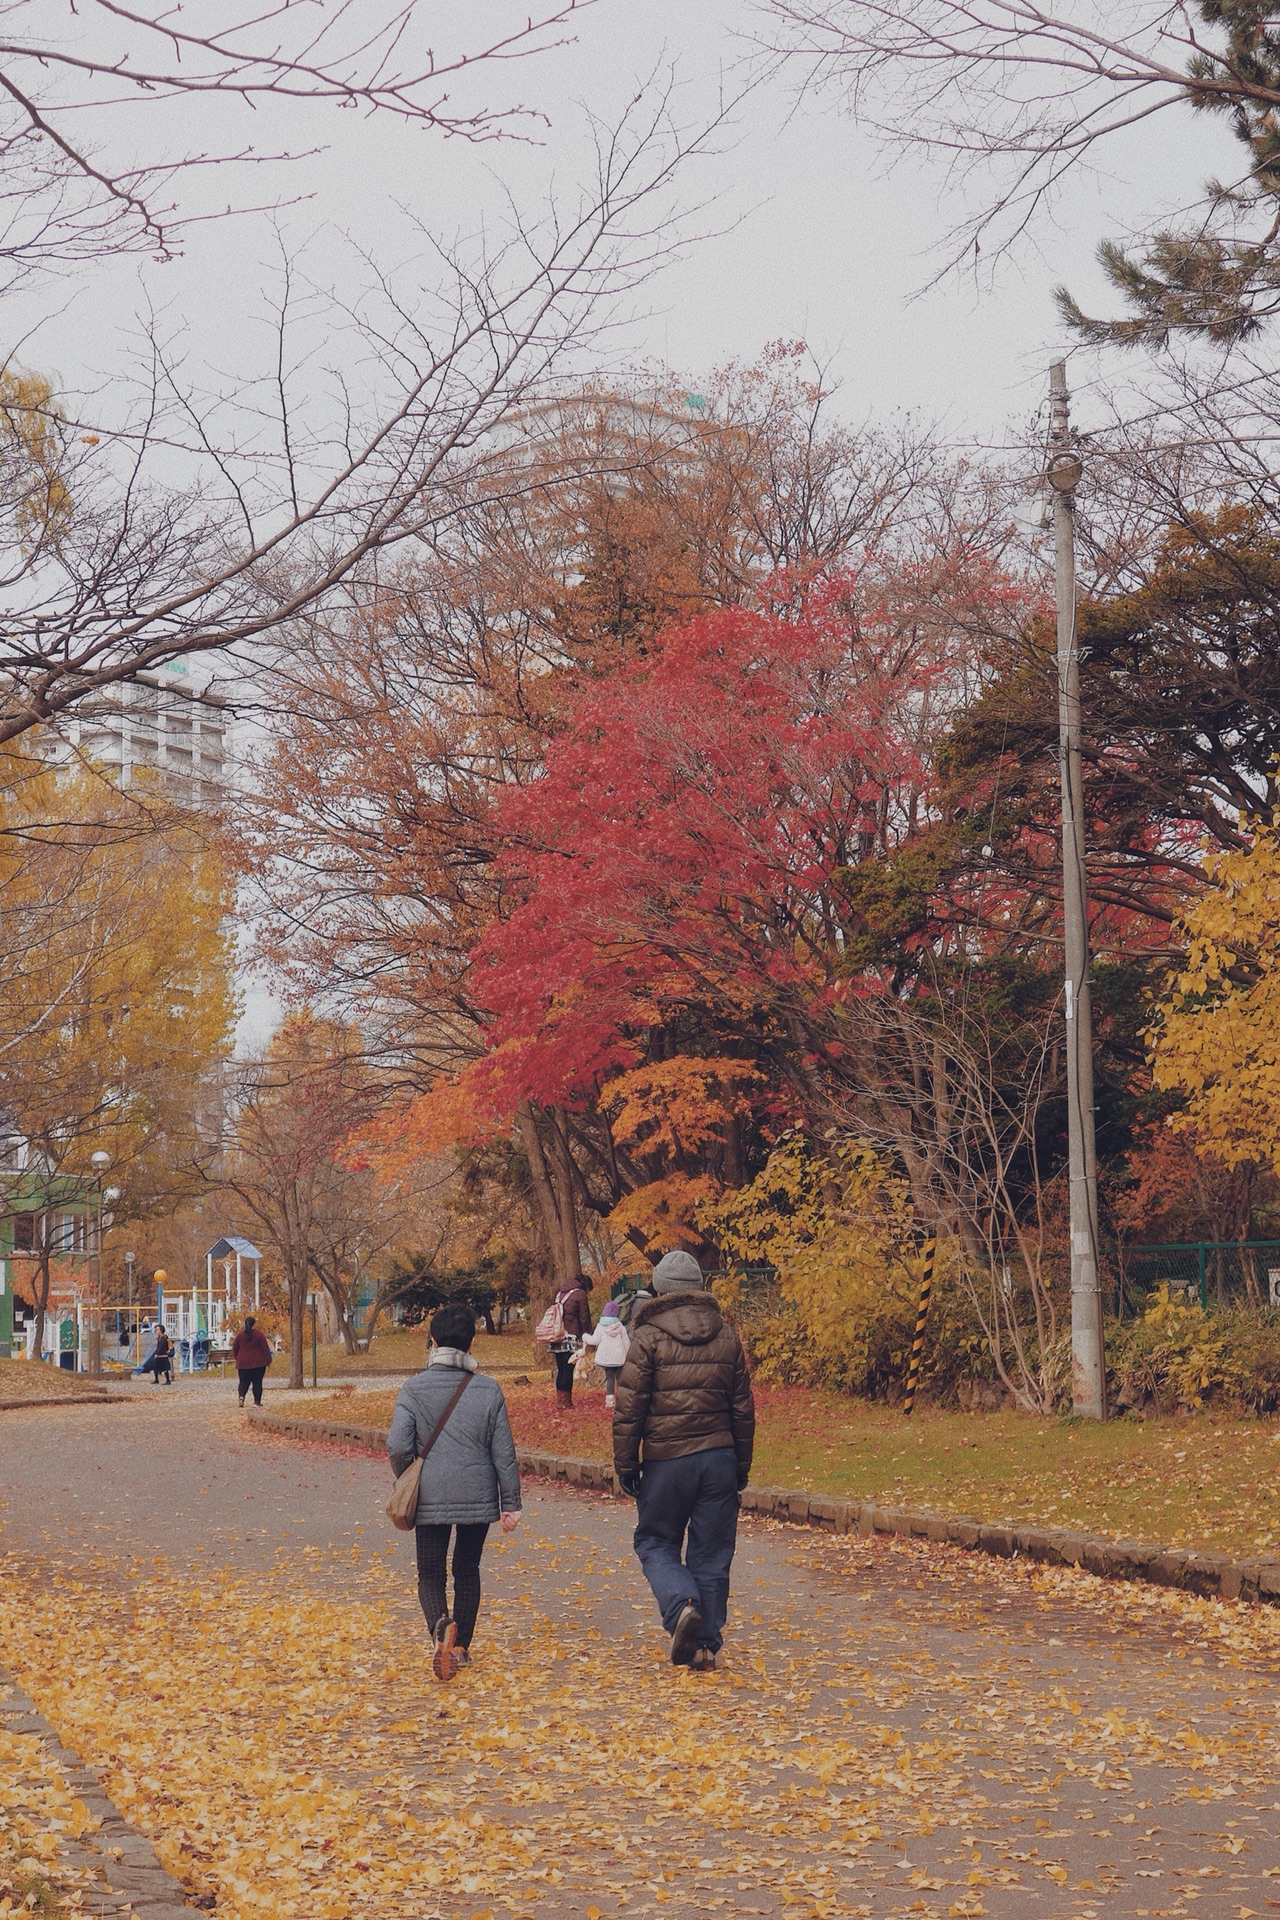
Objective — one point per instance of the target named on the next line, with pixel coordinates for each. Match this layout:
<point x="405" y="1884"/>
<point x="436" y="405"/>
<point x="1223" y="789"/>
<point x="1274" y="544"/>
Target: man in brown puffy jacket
<point x="683" y="1430"/>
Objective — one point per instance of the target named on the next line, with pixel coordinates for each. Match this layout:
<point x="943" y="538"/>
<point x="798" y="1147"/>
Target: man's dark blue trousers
<point x="697" y="1495"/>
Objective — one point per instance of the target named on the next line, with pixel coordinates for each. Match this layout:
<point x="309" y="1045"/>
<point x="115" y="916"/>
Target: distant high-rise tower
<point x="161" y="721"/>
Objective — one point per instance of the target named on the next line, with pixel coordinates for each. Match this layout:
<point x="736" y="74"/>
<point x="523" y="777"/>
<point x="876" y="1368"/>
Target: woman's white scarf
<point x="453" y="1357"/>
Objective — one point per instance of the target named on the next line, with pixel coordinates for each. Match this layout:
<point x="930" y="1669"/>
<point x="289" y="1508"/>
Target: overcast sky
<point x="806" y="234"/>
<point x="818" y="240"/>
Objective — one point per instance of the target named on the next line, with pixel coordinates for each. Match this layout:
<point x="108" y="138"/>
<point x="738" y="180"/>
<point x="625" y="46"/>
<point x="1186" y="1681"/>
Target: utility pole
<point x="99" y="1161"/>
<point x="1088" y="1358"/>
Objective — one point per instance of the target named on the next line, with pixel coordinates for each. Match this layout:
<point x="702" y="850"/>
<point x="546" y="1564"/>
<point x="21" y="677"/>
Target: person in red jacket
<point x="251" y="1352"/>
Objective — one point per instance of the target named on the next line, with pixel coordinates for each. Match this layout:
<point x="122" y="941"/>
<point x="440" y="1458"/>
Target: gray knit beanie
<point x="677" y="1272"/>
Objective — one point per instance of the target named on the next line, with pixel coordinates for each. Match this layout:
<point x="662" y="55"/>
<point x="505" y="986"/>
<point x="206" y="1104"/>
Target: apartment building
<point x="164" y="721"/>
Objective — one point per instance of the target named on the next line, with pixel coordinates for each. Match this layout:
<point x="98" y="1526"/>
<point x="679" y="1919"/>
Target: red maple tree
<point x="689" y="849"/>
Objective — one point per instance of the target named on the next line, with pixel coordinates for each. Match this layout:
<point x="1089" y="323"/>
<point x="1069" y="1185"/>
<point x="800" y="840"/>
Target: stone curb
<point x="134" y="1879"/>
<point x="1211" y="1575"/>
<point x="373" y="1373"/>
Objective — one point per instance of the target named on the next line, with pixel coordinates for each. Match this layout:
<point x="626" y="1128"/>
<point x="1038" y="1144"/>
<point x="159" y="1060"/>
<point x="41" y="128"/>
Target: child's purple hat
<point x="609" y="1310"/>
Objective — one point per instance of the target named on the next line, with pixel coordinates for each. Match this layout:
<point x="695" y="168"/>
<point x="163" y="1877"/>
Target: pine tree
<point x="1220" y="279"/>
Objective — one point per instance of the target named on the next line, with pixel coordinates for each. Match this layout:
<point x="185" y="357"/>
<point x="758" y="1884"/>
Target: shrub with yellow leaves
<point x="837" y="1225"/>
<point x="1216" y="1036"/>
<point x="1179" y="1356"/>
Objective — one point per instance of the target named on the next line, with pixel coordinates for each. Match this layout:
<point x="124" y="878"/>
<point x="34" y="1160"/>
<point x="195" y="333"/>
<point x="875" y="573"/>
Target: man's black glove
<point x="630" y="1483"/>
<point x="742" y="1482"/>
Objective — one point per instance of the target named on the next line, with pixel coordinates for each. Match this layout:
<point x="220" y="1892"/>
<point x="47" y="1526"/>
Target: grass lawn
<point x="502" y="1353"/>
<point x="1202" y="1482"/>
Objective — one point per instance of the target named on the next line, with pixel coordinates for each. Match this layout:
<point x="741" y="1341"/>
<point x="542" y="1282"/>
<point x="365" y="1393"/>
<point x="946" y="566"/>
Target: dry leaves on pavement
<point x="280" y="1740"/>
<point x="37" y="1811"/>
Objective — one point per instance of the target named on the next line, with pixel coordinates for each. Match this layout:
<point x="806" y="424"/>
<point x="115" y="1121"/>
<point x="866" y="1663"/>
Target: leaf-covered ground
<point x="26" y="1380"/>
<point x="37" y="1811"/>
<point x="224" y="1626"/>
<point x="1194" y="1482"/>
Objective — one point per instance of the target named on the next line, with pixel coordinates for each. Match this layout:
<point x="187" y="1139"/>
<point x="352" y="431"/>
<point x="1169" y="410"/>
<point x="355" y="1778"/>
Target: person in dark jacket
<point x="160" y="1359"/>
<point x="576" y="1309"/>
<point x="251" y="1351"/>
<point x="683" y="1433"/>
<point x="631" y="1303"/>
<point x="468" y="1479"/>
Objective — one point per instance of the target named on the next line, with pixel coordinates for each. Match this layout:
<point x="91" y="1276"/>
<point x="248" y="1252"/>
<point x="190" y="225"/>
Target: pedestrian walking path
<point x="225" y="1626"/>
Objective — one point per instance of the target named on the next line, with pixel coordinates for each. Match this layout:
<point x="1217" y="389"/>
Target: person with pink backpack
<point x="563" y="1328"/>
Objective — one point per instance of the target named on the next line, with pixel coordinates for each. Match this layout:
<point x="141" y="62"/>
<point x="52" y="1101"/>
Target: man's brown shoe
<point x="685" y="1638"/>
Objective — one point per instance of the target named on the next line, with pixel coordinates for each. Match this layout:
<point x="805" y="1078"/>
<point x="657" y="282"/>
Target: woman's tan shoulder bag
<point x="402" y="1507"/>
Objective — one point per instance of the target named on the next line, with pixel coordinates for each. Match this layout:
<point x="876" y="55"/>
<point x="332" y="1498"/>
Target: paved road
<point x="899" y="1728"/>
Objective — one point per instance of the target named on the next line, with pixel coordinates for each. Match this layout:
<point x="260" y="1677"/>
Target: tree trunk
<point x="41" y="1290"/>
<point x="297" y="1283"/>
<point x="332" y="1284"/>
<point x="734" y="1157"/>
<point x="549" y="1185"/>
<point x="563" y="1180"/>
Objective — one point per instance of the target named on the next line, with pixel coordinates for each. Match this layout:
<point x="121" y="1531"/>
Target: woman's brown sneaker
<point x="704" y="1661"/>
<point x="444" y="1661"/>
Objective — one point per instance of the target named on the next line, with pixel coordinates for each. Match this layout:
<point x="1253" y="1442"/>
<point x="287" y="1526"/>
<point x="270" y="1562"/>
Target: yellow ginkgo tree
<point x="35" y="499"/>
<point x="1216" y="1036"/>
<point x="115" y="976"/>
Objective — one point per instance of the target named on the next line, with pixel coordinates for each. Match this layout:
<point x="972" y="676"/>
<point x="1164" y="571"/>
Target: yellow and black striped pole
<point x="922" y="1314"/>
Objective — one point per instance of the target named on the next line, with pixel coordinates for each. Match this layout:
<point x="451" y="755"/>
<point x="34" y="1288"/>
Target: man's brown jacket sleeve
<point x="744" y="1417"/>
<point x="631" y="1409"/>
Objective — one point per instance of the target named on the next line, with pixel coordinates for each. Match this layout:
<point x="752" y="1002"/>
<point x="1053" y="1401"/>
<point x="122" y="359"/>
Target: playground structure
<point x="232" y="1251"/>
<point x="195" y="1318"/>
<point x="128" y="1334"/>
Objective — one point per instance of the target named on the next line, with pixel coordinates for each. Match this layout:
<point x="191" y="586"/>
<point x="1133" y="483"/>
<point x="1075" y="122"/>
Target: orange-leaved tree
<point x="376" y="847"/>
<point x="297" y="1167"/>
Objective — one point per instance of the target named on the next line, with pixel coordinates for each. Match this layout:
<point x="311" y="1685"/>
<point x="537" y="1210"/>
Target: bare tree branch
<point x="265" y="534"/>
<point x="1022" y="91"/>
<point x="61" y="94"/>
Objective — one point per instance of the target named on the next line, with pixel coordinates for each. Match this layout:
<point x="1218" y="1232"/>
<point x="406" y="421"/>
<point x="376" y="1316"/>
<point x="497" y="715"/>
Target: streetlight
<point x="128" y="1268"/>
<point x="99" y="1161"/>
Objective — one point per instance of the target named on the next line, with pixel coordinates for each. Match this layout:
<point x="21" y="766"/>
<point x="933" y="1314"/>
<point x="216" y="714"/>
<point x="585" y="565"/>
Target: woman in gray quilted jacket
<point x="469" y="1478"/>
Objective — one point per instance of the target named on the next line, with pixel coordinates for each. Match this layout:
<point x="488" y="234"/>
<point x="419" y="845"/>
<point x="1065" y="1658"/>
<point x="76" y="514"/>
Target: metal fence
<point x="1210" y="1273"/>
<point x="1242" y="1274"/>
<point x="759" y="1284"/>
